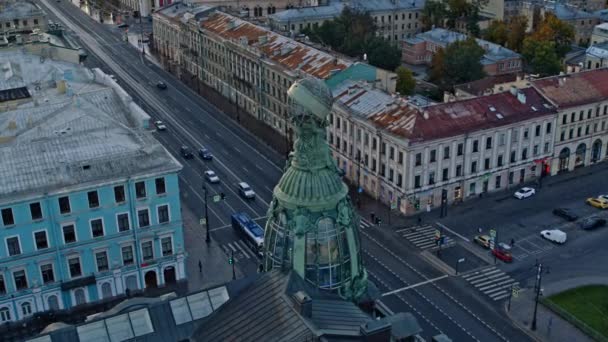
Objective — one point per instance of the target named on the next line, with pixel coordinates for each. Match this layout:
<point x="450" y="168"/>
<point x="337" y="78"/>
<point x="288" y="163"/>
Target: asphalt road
<point x="445" y="306"/>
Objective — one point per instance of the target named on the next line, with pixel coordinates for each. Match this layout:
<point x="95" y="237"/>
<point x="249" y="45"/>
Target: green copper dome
<point x="312" y="227"/>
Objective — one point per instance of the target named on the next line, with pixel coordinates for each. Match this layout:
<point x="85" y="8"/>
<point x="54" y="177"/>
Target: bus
<point x="251" y="231"/>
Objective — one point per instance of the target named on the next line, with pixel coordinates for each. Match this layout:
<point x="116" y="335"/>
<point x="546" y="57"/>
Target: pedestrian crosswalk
<point x="423" y="237"/>
<point x="364" y="224"/>
<point x="492" y="282"/>
<point x="239" y="249"/>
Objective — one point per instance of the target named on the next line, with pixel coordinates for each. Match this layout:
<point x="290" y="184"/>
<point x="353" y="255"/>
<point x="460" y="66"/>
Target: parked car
<point x="160" y="125"/>
<point x="161" y="85"/>
<point x="185" y="152"/>
<point x="554" y="235"/>
<point x="123" y="25"/>
<point x="591" y="222"/>
<point x="205" y="154"/>
<point x="525" y="193"/>
<point x="482" y="240"/>
<point x="211" y="177"/>
<point x="502" y="254"/>
<point x="597" y="202"/>
<point x="566" y="213"/>
<point x="245" y="190"/>
<point x="603" y="196"/>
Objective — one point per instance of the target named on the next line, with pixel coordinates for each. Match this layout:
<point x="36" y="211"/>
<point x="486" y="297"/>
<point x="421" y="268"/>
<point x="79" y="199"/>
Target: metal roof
<point x="75" y="132"/>
<point x="575" y="89"/>
<point x="598" y="50"/>
<point x="21" y="9"/>
<point x="284" y="51"/>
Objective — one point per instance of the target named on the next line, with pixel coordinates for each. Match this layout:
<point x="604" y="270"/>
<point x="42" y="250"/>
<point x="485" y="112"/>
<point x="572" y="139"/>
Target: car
<point x="246" y="191"/>
<point x="554" y="235"/>
<point x="211" y="177"/>
<point x="591" y="223"/>
<point x="123" y="25"/>
<point x="482" y="240"/>
<point x="603" y="196"/>
<point x="161" y="85"/>
<point x="205" y="154"/>
<point x="160" y="125"/>
<point x="502" y="254"/>
<point x="185" y="152"/>
<point x="524" y="193"/>
<point x="565" y="213"/>
<point x="505" y="246"/>
<point x="597" y="202"/>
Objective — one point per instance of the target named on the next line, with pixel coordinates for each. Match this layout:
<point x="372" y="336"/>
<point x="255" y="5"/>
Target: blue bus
<point x="251" y="231"/>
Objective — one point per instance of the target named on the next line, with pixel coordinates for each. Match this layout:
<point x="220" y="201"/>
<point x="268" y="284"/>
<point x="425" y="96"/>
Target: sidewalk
<point x="216" y="270"/>
<point x="549" y="326"/>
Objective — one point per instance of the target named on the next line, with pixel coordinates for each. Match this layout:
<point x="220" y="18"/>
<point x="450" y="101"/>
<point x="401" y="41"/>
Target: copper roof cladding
<point x="480" y="113"/>
<point x="285" y="51"/>
<point x="575" y="89"/>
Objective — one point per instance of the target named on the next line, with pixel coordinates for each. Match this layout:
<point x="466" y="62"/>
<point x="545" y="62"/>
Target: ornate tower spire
<point x="312" y="227"/>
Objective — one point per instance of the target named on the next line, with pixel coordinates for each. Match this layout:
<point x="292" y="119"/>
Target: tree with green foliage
<point x="405" y="81"/>
<point x="434" y="13"/>
<point x="516" y="32"/>
<point x="382" y="54"/>
<point x="463" y="64"/>
<point x="497" y="32"/>
<point x="541" y="57"/>
<point x="552" y="29"/>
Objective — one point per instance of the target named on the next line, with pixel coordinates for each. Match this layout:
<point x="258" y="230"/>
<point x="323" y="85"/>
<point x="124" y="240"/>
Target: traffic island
<point x="585" y="307"/>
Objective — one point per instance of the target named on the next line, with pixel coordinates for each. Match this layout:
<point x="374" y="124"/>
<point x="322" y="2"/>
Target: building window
<point x="101" y="259"/>
<point x="119" y="194"/>
<point x="160" y="186"/>
<point x="579" y="131"/>
<point x="526" y="133"/>
<point x="460" y="149"/>
<point x="446" y="152"/>
<point x="546" y="150"/>
<point x="431" y="177"/>
<point x="7" y="217"/>
<point x="391" y="153"/>
<point x="562" y="135"/>
<point x="418" y="159"/>
<point x="587" y="130"/>
<point x="5" y="315"/>
<point x="97" y="228"/>
<point x="524" y="154"/>
<point x="36" y="211"/>
<point x="20" y="280"/>
<point x="571" y="133"/>
<point x="93" y="199"/>
<point x="473" y="167"/>
<point x="140" y="190"/>
<point x="69" y="233"/>
<point x="64" y="205"/>
<point x="565" y="119"/>
<point x="41" y="240"/>
<point x="143" y="218"/>
<point x="127" y="255"/>
<point x="458" y="170"/>
<point x="2" y="285"/>
<point x="47" y="273"/>
<point x="74" y="266"/>
<point x="433" y="156"/>
<point x="444" y="176"/>
<point x="166" y="244"/>
<point x="147" y="251"/>
<point x="488" y="143"/>
<point x="163" y="213"/>
<point x="399" y="179"/>
<point x="548" y="130"/>
<point x="122" y="221"/>
<point x="417" y="181"/>
<point x="475" y="146"/>
<point x="537" y="131"/>
<point x="486" y="164"/>
<point x="13" y="246"/>
<point x="535" y="150"/>
<point x="498" y="181"/>
<point x="499" y="160"/>
<point x="400" y="158"/>
<point x="515" y="135"/>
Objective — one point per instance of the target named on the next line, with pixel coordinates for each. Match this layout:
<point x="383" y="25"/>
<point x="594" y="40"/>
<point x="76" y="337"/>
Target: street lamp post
<point x="207" y="238"/>
<point x="538" y="282"/>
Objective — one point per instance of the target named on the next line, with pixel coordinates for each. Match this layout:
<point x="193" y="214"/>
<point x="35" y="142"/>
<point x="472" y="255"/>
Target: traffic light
<point x="223" y="195"/>
<point x="417" y="205"/>
<point x="230" y="260"/>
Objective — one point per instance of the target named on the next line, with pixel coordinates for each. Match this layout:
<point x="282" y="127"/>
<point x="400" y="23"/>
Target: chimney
<point x="303" y="304"/>
<point x="425" y="115"/>
<point x="521" y="97"/>
<point x="513" y="90"/>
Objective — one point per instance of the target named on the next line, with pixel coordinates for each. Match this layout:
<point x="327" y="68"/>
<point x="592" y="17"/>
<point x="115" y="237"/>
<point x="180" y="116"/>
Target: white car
<point x="211" y="177"/>
<point x="554" y="235"/>
<point x="524" y="193"/>
<point x="245" y="190"/>
<point x="160" y="125"/>
<point x="603" y="196"/>
<point x="504" y="246"/>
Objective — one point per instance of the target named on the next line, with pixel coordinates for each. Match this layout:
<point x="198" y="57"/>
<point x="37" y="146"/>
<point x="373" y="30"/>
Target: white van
<point x="554" y="235"/>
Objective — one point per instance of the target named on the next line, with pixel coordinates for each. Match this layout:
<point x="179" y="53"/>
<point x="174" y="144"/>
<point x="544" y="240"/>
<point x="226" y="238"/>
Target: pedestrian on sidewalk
<point x="512" y="242"/>
<point x="200" y="267"/>
<point x="419" y="220"/>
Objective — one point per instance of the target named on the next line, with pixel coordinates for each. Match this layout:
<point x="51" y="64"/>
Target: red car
<point x="502" y="254"/>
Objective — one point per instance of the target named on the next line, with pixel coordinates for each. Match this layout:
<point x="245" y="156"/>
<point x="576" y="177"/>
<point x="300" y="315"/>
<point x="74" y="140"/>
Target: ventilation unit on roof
<point x="499" y="116"/>
<point x="534" y="109"/>
<point x="243" y="40"/>
<point x="492" y="109"/>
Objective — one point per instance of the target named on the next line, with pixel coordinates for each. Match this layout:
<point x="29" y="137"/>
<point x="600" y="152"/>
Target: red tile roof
<point x="575" y="89"/>
<point x="282" y="50"/>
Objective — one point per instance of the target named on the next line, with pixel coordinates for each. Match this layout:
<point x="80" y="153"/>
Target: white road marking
<point x="231" y="247"/>
<point x="413" y="286"/>
<point x="244" y="251"/>
<point x="451" y="231"/>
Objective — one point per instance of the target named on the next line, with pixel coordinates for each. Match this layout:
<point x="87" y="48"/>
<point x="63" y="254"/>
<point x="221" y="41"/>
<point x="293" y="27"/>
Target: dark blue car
<point x="205" y="154"/>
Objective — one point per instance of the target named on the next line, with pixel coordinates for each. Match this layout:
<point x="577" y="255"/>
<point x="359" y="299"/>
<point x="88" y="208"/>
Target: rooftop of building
<point x="182" y="12"/>
<point x="481" y="87"/>
<point x="401" y="119"/>
<point x="18" y="9"/>
<point x="329" y="11"/>
<point x="602" y="14"/>
<point x="598" y="50"/>
<point x="78" y="129"/>
<point x="568" y="12"/>
<point x="575" y="89"/>
<point x="603" y="27"/>
<point x="290" y="54"/>
<point x="443" y="37"/>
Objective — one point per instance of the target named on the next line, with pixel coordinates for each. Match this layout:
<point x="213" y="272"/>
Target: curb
<point x="437" y="263"/>
<point x="521" y="326"/>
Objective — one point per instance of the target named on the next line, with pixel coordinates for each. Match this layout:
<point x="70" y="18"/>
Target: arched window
<point x="106" y="290"/>
<point x="79" y="296"/>
<point x="131" y="282"/>
<point x="26" y="308"/>
<point x="5" y="315"/>
<point x="53" y="302"/>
